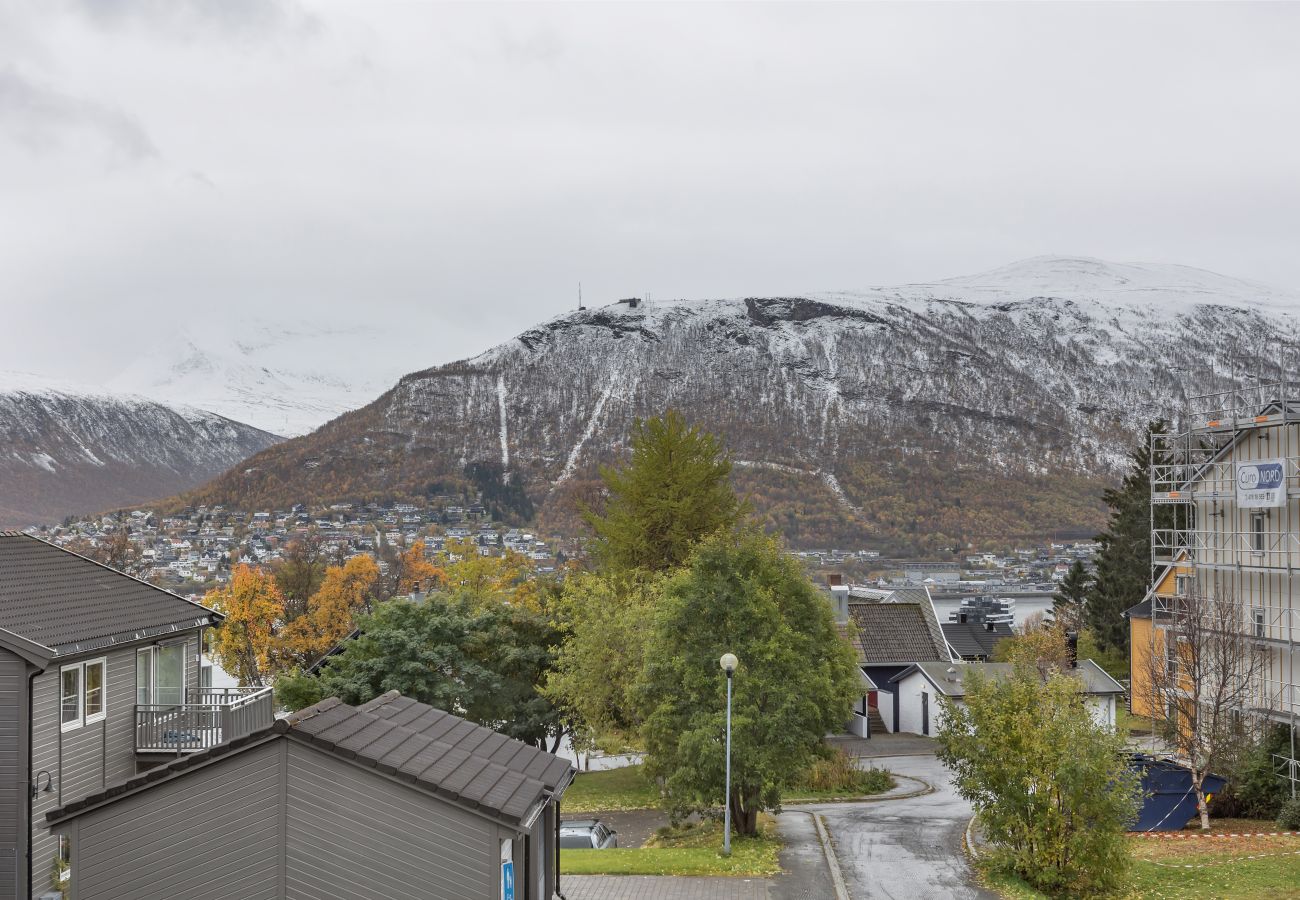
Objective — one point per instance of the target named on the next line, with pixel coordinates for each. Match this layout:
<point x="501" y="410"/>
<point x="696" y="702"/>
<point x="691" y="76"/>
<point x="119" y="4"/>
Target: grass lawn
<point x="615" y="789"/>
<point x="1225" y="873"/>
<point x="692" y="850"/>
<point x="628" y="788"/>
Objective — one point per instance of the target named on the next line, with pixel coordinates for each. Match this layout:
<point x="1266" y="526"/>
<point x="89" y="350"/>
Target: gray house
<point x="389" y="799"/>
<point x="99" y="680"/>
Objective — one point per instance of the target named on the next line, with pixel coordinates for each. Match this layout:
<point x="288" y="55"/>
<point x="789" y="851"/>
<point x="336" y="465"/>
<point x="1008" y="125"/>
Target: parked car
<point x="587" y="834"/>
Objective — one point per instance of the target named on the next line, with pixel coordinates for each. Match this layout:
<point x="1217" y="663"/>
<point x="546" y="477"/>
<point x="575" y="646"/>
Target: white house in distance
<point x="920" y="686"/>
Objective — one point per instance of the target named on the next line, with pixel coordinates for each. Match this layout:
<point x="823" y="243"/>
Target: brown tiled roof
<point x="896" y="633"/>
<point x="467" y="764"/>
<point x="71" y="604"/>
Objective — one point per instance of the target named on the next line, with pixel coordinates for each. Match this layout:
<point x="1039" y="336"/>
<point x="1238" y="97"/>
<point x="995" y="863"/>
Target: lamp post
<point x="728" y="663"/>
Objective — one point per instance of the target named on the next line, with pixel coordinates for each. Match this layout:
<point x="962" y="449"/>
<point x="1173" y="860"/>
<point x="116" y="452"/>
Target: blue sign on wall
<point x="508" y="880"/>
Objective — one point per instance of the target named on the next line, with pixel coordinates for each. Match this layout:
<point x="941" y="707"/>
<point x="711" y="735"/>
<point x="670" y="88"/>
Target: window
<point x="1184" y="585"/>
<point x="81" y="694"/>
<point x="63" y="861"/>
<point x="70" y="708"/>
<point x="94" y="686"/>
<point x="1171" y="656"/>
<point x="1259" y="621"/>
<point x="160" y="675"/>
<point x="1257" y="521"/>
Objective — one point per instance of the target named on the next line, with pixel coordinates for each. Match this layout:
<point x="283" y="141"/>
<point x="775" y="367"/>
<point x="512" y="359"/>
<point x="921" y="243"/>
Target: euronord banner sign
<point x="1261" y="483"/>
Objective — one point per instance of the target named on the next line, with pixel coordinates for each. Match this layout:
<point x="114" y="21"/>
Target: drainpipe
<point x="31" y="683"/>
<point x="558" y="892"/>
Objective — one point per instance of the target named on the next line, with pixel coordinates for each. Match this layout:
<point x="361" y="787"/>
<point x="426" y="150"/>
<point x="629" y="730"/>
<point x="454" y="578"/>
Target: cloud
<point x="40" y="118"/>
<point x="199" y="19"/>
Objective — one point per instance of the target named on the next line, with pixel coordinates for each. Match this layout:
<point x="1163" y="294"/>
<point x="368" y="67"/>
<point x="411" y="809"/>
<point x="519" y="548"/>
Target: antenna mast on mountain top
<point x="580" y="306"/>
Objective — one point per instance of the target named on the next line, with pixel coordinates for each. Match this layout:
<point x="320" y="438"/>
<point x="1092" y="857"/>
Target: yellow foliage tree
<point x="331" y="613"/>
<point x="245" y="644"/>
<point x="484" y="579"/>
<point x="411" y="570"/>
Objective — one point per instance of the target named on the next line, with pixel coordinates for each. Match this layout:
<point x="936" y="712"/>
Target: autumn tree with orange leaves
<point x="245" y="644"/>
<point x="331" y="613"/>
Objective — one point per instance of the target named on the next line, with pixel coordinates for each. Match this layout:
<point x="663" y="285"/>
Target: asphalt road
<point x="905" y="849"/>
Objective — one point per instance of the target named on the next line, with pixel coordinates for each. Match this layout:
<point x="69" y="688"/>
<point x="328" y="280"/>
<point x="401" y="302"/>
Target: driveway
<point x="908" y="849"/>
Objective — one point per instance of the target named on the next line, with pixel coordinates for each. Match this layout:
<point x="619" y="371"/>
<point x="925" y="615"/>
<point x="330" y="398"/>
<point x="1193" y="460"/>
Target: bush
<point x="1289" y="818"/>
<point x="837" y="772"/>
<point x="1051" y="788"/>
<point x="1254" y="789"/>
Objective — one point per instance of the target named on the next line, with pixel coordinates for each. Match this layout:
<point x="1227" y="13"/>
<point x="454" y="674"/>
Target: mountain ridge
<point x="918" y="417"/>
<point x="71" y="450"/>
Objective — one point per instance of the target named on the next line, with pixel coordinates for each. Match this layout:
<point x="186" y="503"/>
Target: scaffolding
<point x="1217" y="546"/>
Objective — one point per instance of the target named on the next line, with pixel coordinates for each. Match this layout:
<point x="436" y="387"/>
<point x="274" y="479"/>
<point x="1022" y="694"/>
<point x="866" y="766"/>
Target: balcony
<point x="217" y="716"/>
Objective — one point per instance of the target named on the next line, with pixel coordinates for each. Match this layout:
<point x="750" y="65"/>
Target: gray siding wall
<point x="89" y="758"/>
<point x="13" y="774"/>
<point x="350" y="837"/>
<point x="213" y="833"/>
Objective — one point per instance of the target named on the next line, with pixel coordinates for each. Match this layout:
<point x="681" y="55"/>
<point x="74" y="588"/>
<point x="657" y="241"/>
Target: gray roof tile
<point x="71" y="604"/>
<point x="374" y="734"/>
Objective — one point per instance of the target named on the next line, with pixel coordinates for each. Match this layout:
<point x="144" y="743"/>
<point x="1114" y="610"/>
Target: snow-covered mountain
<point x="66" y="449"/>
<point x="286" y="379"/>
<point x="989" y="406"/>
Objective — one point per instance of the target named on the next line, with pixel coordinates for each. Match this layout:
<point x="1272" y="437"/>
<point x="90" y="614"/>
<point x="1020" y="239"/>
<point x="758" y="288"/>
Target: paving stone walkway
<point x="652" y="887"/>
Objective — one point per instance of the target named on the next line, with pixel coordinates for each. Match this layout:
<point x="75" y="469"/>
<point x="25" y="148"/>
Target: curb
<point x="832" y="861"/>
<point x="925" y="788"/>
<point x="969" y="840"/>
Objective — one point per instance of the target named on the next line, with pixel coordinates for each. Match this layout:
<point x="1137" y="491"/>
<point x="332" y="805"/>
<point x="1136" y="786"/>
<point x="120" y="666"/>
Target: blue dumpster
<point x="1169" y="800"/>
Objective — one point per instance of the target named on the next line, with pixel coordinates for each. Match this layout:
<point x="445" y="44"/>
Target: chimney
<point x="988" y="626"/>
<point x="840" y="600"/>
<point x="1072" y="642"/>
<point x="961" y="618"/>
<point x="834" y="579"/>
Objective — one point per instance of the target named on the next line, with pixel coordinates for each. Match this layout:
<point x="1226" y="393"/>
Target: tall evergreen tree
<point x="1124" y="563"/>
<point x="675" y="491"/>
<point x="1071" y="597"/>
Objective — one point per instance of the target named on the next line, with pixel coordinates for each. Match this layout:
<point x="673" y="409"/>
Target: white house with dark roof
<point x="919" y="688"/>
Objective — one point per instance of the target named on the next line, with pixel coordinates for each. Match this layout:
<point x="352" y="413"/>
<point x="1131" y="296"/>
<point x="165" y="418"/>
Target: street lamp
<point x="728" y="663"/>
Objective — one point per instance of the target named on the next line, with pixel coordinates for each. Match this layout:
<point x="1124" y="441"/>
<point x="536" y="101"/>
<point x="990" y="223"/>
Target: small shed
<point x="393" y="798"/>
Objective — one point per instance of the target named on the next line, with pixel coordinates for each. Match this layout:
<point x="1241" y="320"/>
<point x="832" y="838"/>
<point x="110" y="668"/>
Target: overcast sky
<point x="458" y="169"/>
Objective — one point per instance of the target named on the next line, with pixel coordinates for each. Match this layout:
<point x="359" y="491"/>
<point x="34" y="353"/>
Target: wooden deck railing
<point x="220" y="715"/>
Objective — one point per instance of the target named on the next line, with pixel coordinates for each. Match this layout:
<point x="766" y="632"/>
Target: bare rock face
<point x="66" y="451"/>
<point x="989" y="408"/>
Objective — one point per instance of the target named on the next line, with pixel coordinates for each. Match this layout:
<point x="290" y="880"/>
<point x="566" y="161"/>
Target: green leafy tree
<point x="796" y="681"/>
<point x="675" y="491"/>
<point x="606" y="621"/>
<point x="485" y="663"/>
<point x="1071" y="598"/>
<point x="1051" y="788"/>
<point x="1124" y="562"/>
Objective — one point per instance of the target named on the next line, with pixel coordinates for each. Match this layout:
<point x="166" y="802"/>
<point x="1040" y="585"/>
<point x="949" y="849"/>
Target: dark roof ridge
<point x="32" y="537"/>
<point x="309" y="712"/>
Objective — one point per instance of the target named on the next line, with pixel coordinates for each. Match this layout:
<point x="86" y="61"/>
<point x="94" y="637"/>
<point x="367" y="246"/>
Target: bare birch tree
<point x="1203" y="673"/>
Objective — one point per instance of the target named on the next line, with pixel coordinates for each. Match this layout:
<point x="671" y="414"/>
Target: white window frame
<point x="82" y="718"/>
<point x="100" y="716"/>
<point x="64" y="854"/>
